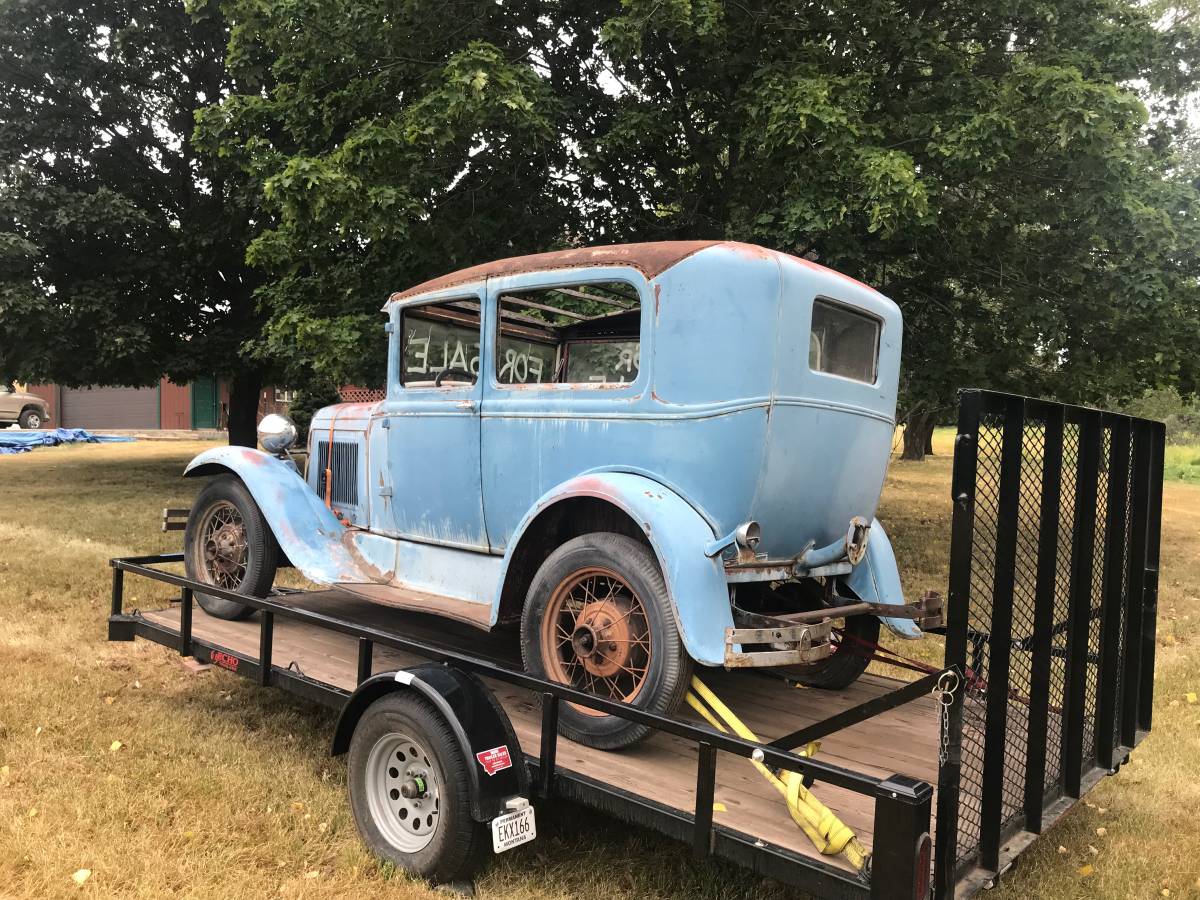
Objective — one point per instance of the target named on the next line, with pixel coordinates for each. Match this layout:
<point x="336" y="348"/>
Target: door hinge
<point x="385" y="492"/>
<point x="386" y="423"/>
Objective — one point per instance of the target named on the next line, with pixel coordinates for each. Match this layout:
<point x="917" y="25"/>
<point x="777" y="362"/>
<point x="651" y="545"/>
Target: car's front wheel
<point x="598" y="618"/>
<point x="31" y="418"/>
<point x="229" y="545"/>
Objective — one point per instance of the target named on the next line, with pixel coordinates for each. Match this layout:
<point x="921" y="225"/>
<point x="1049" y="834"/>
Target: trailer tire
<point x="225" y="498"/>
<point x="666" y="673"/>
<point x="440" y="842"/>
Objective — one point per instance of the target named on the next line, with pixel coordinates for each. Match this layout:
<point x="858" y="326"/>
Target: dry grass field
<point x="161" y="782"/>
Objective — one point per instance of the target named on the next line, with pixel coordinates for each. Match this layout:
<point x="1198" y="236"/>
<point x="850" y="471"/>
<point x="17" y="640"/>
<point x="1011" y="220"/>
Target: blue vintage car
<point x="648" y="456"/>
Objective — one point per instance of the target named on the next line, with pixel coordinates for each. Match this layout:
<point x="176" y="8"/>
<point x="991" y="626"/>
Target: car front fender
<point x="877" y="580"/>
<point x="306" y="530"/>
<point x="678" y="534"/>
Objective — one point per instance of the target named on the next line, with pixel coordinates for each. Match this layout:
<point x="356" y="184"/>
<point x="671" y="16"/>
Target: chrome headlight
<point x="276" y="433"/>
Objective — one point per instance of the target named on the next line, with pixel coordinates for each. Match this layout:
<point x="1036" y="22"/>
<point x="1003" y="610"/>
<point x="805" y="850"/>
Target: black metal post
<point x="1135" y="576"/>
<point x="900" y="855"/>
<point x="366" y="662"/>
<point x="1080" y="609"/>
<point x="1150" y="589"/>
<point x="548" y="754"/>
<point x="1008" y="511"/>
<point x="1043" y="619"/>
<point x="118" y="590"/>
<point x="706" y="781"/>
<point x="1108" y="672"/>
<point x="266" y="636"/>
<point x="958" y="603"/>
<point x="185" y="622"/>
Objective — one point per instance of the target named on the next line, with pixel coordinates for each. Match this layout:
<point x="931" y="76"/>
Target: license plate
<point x="513" y="829"/>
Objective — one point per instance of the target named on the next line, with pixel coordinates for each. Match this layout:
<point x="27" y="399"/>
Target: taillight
<point x="924" y="854"/>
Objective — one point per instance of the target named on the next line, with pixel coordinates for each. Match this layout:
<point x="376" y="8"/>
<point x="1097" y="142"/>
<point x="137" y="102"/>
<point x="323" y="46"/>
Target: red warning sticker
<point x="495" y="760"/>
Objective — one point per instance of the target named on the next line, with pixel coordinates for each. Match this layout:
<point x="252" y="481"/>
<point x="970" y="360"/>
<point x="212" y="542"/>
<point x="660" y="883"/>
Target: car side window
<point x="439" y="344"/>
<point x="583" y="335"/>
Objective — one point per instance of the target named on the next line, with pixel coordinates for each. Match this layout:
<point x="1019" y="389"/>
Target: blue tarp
<point x="23" y="441"/>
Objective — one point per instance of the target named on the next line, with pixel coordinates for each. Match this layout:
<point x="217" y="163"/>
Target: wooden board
<point x="662" y="768"/>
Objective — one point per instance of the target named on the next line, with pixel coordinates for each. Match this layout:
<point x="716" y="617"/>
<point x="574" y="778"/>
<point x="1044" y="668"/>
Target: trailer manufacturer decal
<point x="224" y="660"/>
<point x="495" y="760"/>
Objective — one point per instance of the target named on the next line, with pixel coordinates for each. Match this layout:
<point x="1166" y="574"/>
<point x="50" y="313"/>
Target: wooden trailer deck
<point x="663" y="768"/>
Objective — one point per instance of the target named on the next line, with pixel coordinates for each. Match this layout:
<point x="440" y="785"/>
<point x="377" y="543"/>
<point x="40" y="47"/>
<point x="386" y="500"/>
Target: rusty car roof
<point x="651" y="259"/>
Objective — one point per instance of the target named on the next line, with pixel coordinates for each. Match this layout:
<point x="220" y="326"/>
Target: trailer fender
<point x="307" y="532"/>
<point x="678" y="534"/>
<point x="877" y="580"/>
<point x="480" y="724"/>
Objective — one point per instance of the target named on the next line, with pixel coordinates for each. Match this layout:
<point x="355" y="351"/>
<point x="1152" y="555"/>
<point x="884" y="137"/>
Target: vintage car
<point x="649" y="457"/>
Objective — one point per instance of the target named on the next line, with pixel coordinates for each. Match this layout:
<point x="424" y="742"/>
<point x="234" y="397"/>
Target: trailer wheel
<point x="598" y="618"/>
<point x="409" y="790"/>
<point x="228" y="544"/>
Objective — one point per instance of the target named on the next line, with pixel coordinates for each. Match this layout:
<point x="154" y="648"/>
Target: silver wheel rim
<point x="397" y="765"/>
<point x="35" y="421"/>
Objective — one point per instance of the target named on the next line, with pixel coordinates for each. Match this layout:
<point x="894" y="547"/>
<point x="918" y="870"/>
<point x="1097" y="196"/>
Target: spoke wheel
<point x="596" y="637"/>
<point x="224" y="546"/>
<point x="598" y="618"/>
<point x="228" y="544"/>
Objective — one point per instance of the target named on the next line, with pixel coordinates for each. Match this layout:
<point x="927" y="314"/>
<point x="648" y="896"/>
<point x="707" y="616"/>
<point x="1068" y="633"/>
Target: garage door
<point x="110" y="407"/>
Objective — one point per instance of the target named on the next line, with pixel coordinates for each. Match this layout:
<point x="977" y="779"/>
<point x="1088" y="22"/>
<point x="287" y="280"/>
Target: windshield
<point x="843" y="342"/>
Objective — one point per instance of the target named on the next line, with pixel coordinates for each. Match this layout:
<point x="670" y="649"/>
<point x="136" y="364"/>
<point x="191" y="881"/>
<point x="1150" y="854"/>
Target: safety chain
<point x="944" y="690"/>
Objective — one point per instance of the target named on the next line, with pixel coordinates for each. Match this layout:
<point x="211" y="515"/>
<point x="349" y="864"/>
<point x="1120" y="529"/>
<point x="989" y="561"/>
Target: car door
<point x="432" y="419"/>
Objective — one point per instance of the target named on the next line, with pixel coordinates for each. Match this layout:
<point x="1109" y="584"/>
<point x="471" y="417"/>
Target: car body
<point x="22" y="408"/>
<point x="730" y="407"/>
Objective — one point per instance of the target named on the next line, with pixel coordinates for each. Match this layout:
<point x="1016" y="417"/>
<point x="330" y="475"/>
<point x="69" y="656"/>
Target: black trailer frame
<point x="1047" y="636"/>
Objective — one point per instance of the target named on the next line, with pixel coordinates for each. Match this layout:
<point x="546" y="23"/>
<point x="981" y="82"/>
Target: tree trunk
<point x="918" y="435"/>
<point x="244" y="389"/>
<point x="929" y="439"/>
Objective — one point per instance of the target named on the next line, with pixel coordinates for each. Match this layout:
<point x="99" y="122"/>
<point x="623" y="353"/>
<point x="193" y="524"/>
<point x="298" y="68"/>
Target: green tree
<point x="990" y="166"/>
<point x="122" y="244"/>
<point x="393" y="141"/>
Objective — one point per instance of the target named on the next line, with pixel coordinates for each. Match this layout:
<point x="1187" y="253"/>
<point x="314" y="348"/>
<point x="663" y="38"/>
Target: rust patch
<point x="651" y="259"/>
<point x="657" y="300"/>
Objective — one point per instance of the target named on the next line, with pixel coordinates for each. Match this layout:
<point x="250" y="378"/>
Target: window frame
<point x="605" y="276"/>
<point x="405" y="309"/>
<point x="861" y="313"/>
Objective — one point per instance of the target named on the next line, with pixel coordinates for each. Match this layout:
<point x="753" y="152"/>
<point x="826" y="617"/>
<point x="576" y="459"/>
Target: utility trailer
<point x="1046" y="686"/>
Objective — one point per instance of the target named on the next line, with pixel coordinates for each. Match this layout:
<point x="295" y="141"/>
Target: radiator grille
<point x="344" y="470"/>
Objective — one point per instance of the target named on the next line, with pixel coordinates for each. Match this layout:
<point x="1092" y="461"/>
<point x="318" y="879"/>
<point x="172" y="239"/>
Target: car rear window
<point x="843" y="342"/>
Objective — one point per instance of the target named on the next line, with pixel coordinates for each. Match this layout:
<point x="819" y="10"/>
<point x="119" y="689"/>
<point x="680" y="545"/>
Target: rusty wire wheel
<point x="223" y="546"/>
<point x="596" y="637"/>
<point x="229" y="545"/>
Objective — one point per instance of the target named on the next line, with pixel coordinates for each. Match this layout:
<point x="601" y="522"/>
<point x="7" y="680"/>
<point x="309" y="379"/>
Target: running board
<point x="470" y="612"/>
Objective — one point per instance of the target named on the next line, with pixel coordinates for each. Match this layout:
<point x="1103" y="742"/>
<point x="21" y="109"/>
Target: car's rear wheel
<point x="598" y="618"/>
<point x="31" y="418"/>
<point x="228" y="544"/>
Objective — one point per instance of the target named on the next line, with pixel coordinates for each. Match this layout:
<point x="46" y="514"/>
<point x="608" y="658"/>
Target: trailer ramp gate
<point x="1050" y="615"/>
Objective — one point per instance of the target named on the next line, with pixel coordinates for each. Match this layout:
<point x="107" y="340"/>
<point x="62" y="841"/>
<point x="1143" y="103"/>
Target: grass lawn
<point x="218" y="788"/>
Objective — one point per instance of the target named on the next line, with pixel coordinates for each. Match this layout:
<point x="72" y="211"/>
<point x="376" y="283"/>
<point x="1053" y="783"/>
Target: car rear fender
<point x="678" y="534"/>
<point x="877" y="580"/>
<point x="307" y="531"/>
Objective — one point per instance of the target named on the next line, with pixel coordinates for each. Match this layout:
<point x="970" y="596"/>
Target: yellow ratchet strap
<point x="827" y="832"/>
